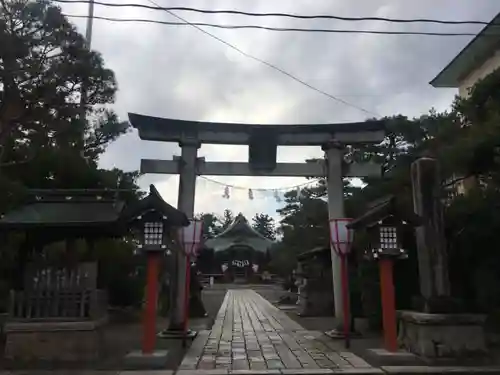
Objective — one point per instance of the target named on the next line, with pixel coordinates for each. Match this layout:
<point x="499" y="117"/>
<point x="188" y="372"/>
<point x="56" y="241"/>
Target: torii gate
<point x="263" y="141"/>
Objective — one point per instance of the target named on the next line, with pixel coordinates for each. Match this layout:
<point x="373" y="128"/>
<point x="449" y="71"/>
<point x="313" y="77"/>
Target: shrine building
<point x="239" y="253"/>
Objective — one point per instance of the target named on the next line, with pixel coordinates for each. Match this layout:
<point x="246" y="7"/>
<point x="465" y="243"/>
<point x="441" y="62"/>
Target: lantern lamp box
<point x="383" y="222"/>
<point x="152" y="218"/>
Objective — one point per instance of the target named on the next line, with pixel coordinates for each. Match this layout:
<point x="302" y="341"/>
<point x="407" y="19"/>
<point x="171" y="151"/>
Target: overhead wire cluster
<point x="271" y="28"/>
<point x="199" y="25"/>
<point x="280" y="14"/>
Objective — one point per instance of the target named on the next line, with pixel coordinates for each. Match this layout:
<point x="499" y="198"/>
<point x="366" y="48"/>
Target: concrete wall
<point x="482" y="71"/>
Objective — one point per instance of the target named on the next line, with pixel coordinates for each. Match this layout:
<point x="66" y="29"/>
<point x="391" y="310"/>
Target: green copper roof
<point x="68" y="213"/>
<point x="479" y="49"/>
<point x="154" y="201"/>
<point x="239" y="233"/>
<point x="382" y="209"/>
<point x="72" y="208"/>
<point x="63" y="207"/>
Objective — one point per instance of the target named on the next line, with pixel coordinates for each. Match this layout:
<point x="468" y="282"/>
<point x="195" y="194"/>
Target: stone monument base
<point x="436" y="336"/>
<point x="53" y="341"/>
<point x="382" y="357"/>
<point x="137" y="360"/>
<point x="177" y="334"/>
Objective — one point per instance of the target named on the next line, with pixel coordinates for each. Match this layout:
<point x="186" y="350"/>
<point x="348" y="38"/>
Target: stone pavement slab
<point x="251" y="336"/>
<point x="458" y="370"/>
<point x="86" y="372"/>
<point x="73" y="372"/>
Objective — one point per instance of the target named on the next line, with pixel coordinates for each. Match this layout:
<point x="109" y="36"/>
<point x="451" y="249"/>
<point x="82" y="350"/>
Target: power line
<point x="290" y="29"/>
<point x="272" y="66"/>
<point x="279" y="14"/>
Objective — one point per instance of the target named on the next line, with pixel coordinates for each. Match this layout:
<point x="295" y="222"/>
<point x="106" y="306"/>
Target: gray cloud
<point x="178" y="72"/>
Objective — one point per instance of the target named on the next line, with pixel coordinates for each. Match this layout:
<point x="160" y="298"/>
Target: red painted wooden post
<point x="345" y="298"/>
<point x="388" y="305"/>
<point x="149" y="338"/>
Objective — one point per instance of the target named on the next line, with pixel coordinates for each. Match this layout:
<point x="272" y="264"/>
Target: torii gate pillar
<point x="185" y="203"/>
<point x="335" y="189"/>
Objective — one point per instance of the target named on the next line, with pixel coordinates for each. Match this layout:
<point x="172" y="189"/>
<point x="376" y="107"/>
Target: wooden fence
<point x="59" y="294"/>
<point x="84" y="276"/>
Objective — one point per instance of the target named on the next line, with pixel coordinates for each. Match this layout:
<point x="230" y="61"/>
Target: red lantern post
<point x="388" y="305"/>
<point x="341" y="239"/>
<point x="152" y="269"/>
<point x="189" y="238"/>
<point x="388" y="250"/>
<point x="153" y="228"/>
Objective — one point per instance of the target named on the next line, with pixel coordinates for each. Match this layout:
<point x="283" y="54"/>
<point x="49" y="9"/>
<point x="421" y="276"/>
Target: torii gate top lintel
<point x="170" y="130"/>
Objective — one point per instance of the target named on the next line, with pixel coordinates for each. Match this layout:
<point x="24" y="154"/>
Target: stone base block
<point x="338" y="333"/>
<point x="176" y="335"/>
<point x="437" y="336"/>
<point x="137" y="360"/>
<point x="53" y="341"/>
<point x="382" y="357"/>
<point x="287" y="307"/>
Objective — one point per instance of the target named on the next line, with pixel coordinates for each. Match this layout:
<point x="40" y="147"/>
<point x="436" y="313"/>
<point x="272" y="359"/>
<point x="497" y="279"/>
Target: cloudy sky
<point x="179" y="72"/>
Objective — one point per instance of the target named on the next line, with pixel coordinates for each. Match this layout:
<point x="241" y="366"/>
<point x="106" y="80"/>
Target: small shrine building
<point x="240" y="252"/>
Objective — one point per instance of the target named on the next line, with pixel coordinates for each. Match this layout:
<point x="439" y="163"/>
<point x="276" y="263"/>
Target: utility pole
<point x="90" y="23"/>
<point x="88" y="43"/>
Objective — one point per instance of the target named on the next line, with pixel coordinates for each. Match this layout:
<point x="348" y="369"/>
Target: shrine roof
<point x="55" y="208"/>
<point x="172" y="130"/>
<point x="154" y="201"/>
<point x="317" y="251"/>
<point x="239" y="232"/>
<point x="83" y="208"/>
<point x="382" y="209"/>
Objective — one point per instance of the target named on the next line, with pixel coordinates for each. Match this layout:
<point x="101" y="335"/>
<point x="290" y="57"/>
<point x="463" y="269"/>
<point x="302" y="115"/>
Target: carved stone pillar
<point x="431" y="245"/>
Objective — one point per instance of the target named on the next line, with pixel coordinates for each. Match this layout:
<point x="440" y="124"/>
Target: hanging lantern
<point x="250" y="194"/>
<point x="226" y="193"/>
<point x="191" y="236"/>
<point x="341" y="236"/>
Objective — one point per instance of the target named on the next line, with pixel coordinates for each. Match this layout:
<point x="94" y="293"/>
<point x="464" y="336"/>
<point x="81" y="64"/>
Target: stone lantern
<point x="155" y="224"/>
<point x="383" y="223"/>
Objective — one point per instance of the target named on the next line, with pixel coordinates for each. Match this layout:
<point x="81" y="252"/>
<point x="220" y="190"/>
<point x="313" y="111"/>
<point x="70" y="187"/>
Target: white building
<point x="476" y="60"/>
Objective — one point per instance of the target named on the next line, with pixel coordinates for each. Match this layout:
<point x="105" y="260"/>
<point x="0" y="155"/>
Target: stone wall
<point x="442" y="335"/>
<point x="75" y="341"/>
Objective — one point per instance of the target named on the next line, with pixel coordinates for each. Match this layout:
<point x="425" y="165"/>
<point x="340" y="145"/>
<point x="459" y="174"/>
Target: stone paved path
<point x="251" y="335"/>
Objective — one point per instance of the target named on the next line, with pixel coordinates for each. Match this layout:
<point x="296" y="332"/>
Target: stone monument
<point x="437" y="329"/>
